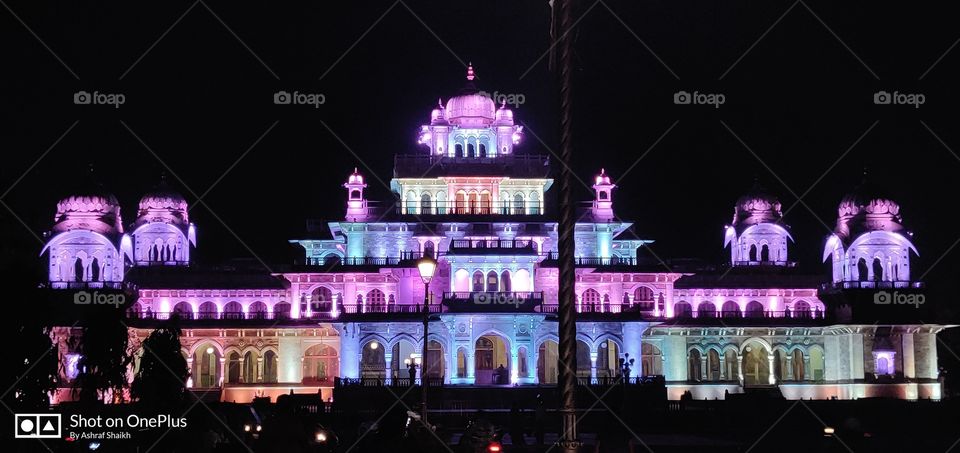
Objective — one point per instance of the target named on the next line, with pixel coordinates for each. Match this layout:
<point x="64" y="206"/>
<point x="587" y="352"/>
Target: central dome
<point x="757" y="206"/>
<point x="163" y="203"/>
<point x="471" y="107"/>
<point x="867" y="208"/>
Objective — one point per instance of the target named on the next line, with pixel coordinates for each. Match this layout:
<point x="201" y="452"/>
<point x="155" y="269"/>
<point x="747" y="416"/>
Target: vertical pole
<point x="566" y="312"/>
<point x="423" y="356"/>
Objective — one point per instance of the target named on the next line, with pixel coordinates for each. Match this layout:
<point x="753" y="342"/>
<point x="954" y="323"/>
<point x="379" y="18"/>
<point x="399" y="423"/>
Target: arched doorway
<point x="321" y="364"/>
<point x="372" y="361"/>
<point x="713" y="365"/>
<point x="706" y="310"/>
<point x="547" y="371"/>
<point x="461" y="363"/>
<point x="730" y="309"/>
<point x="436" y="365"/>
<point x="756" y="364"/>
<point x="608" y="359"/>
<point x="492" y="361"/>
<point x="590" y="301"/>
<point x="183" y="310"/>
<point x="583" y="360"/>
<point x="754" y="309"/>
<point x="403" y="350"/>
<point x="206" y="366"/>
<point x="233" y="368"/>
<point x="730" y="365"/>
<point x="208" y="310"/>
<point x="249" y="371"/>
<point x="270" y="367"/>
<point x="651" y="360"/>
<point x="694" y="366"/>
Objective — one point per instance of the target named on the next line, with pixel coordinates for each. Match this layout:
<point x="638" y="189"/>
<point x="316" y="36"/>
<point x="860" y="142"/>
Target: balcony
<point x="473" y="208"/>
<point x="552" y="259"/>
<point x="513" y="165"/>
<point x="267" y="318"/>
<point x="406" y="259"/>
<point x="88" y="285"/>
<point x="493" y="246"/>
<point x="873" y="284"/>
<point x="493" y="301"/>
<point x="765" y="263"/>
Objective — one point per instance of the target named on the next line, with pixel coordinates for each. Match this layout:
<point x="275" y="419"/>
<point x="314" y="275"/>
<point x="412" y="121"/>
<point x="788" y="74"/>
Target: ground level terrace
<point x="522" y="349"/>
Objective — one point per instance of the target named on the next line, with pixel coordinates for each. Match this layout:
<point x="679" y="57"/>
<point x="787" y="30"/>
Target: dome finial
<point x="470" y="74"/>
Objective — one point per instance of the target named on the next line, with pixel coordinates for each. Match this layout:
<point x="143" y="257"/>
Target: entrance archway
<point x="320" y="364"/>
<point x="372" y="361"/>
<point x="436" y="365"/>
<point x="608" y="359"/>
<point x="756" y="364"/>
<point x="403" y="350"/>
<point x="547" y="372"/>
<point x="492" y="361"/>
<point x="206" y="366"/>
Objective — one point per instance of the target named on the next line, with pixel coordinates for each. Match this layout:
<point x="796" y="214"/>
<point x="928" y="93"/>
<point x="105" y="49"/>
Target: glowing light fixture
<point x="209" y="349"/>
<point x="427" y="266"/>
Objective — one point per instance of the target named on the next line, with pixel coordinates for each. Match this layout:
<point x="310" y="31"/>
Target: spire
<point x="470" y="75"/>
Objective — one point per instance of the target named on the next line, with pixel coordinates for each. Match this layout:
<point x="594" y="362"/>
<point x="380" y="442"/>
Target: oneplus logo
<point x="37" y="426"/>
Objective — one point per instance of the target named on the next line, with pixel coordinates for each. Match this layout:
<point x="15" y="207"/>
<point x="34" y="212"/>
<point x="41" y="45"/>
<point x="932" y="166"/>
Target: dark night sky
<point x="799" y="98"/>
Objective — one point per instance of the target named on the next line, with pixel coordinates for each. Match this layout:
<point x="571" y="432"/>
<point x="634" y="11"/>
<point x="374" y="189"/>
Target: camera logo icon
<point x="82" y="298"/>
<point x="281" y="98"/>
<point x="882" y="298"/>
<point x="82" y="98"/>
<point x="37" y="426"/>
<point x="681" y="98"/>
<point x="882" y="98"/>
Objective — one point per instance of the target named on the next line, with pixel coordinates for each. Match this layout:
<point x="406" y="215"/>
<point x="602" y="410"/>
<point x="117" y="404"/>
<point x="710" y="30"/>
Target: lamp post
<point x="427" y="266"/>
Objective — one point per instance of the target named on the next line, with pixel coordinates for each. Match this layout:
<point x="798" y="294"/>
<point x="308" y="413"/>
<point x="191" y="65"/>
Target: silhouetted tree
<point x="104" y="355"/>
<point x="161" y="379"/>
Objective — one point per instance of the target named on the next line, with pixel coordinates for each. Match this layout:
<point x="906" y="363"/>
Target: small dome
<point x="757" y="206"/>
<point x="504" y="115"/>
<point x="867" y="208"/>
<point x="91" y="207"/>
<point x="355" y="177"/>
<point x="602" y="178"/>
<point x="163" y="204"/>
<point x="438" y="115"/>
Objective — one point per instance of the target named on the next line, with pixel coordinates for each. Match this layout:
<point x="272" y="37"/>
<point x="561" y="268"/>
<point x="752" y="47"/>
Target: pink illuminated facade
<point x="351" y="308"/>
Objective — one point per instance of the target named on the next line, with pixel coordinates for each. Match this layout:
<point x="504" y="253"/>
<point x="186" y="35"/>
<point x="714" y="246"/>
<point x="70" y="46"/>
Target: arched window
<point x="459" y="150"/>
<point x="471" y="152"/>
<point x="233" y="310"/>
<point x="651" y="360"/>
<point x="425" y="207"/>
<point x="730" y="365"/>
<point x="694" y="366"/>
<point x="208" y="310"/>
<point x="460" y="203"/>
<point x="372" y="361"/>
<point x="682" y="310"/>
<point x="754" y="309"/>
<point x="78" y="270"/>
<point x="478" y="281"/>
<point x="877" y="270"/>
<point x="485" y="202"/>
<point x="257" y="310"/>
<point x="183" y="310"/>
<point x="270" y="367"/>
<point x="411" y="203"/>
<point x="483" y="150"/>
<point x="492" y="281"/>
<point x="281" y="311"/>
<point x="233" y="368"/>
<point x="95" y="270"/>
<point x="798" y="365"/>
<point x="706" y="310"/>
<point x="590" y="301"/>
<point x="801" y="309"/>
<point x="534" y="203"/>
<point x="474" y="201"/>
<point x="321" y="300"/>
<point x="644" y="298"/>
<point x="505" y="281"/>
<point x="321" y="363"/>
<point x="730" y="309"/>
<point x="764" y="253"/>
<point x="428" y="249"/>
<point x="249" y="369"/>
<point x="376" y="301"/>
<point x="713" y="365"/>
<point x="441" y="203"/>
<point x="753" y="252"/>
<point x="518" y="204"/>
<point x="354" y="194"/>
<point x="862" y="271"/>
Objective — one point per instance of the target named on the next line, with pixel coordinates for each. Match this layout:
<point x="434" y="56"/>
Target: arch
<point x="233" y="367"/>
<point x="801" y="309"/>
<point x="282" y="311"/>
<point x="257" y="310"/>
<point x="373" y="359"/>
<point x="608" y="358"/>
<point x="477" y="281"/>
<point x="584" y="364"/>
<point x="493" y="281"/>
<point x="485" y="202"/>
<point x="376" y="301"/>
<point x="706" y="309"/>
<point x="713" y="365"/>
<point x="877" y="269"/>
<point x="270" y="363"/>
<point x="404" y="347"/>
<point x="492" y="359"/>
<point x="429" y="249"/>
<point x="547" y="361"/>
<point x="505" y="281"/>
<point x="426" y="207"/>
<point x="590" y="301"/>
<point x="862" y="271"/>
<point x="249" y="368"/>
<point x="643" y="294"/>
<point x="730" y="368"/>
<point x="682" y="310"/>
<point x="754" y="309"/>
<point x="462" y="363"/>
<point x="730" y="309"/>
<point x="651" y="359"/>
<point x="534" y="203"/>
<point x="458" y="150"/>
<point x="694" y="365"/>
<point x="753" y="252"/>
<point x="483" y="150"/>
<point x="441" y="202"/>
<point x="755" y="362"/>
<point x="232" y="310"/>
<point x="798" y="365"/>
<point x="461" y="280"/>
<point x="321" y="363"/>
<point x="208" y="310"/>
<point x="435" y="366"/>
<point x="522" y="281"/>
<point x="518" y="204"/>
<point x="411" y="203"/>
<point x="206" y="364"/>
<point x="764" y="253"/>
<point x="321" y="300"/>
<point x="183" y="309"/>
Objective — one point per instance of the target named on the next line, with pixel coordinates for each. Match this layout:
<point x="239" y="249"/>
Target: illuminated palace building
<point x="353" y="306"/>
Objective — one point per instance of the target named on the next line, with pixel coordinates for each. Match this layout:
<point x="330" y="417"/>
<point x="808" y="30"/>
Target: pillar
<point x="773" y="377"/>
<point x="515" y="365"/>
<point x="471" y="367"/>
<point x="260" y="368"/>
<point x="242" y="376"/>
<point x="807" y="372"/>
<point x="388" y="361"/>
<point x="909" y="363"/>
<point x="740" y="368"/>
<point x="223" y="366"/>
<point x="789" y="374"/>
<point x="704" y="370"/>
<point x="593" y="366"/>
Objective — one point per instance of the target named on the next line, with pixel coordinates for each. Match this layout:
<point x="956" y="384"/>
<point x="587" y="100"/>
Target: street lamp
<point x="427" y="266"/>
